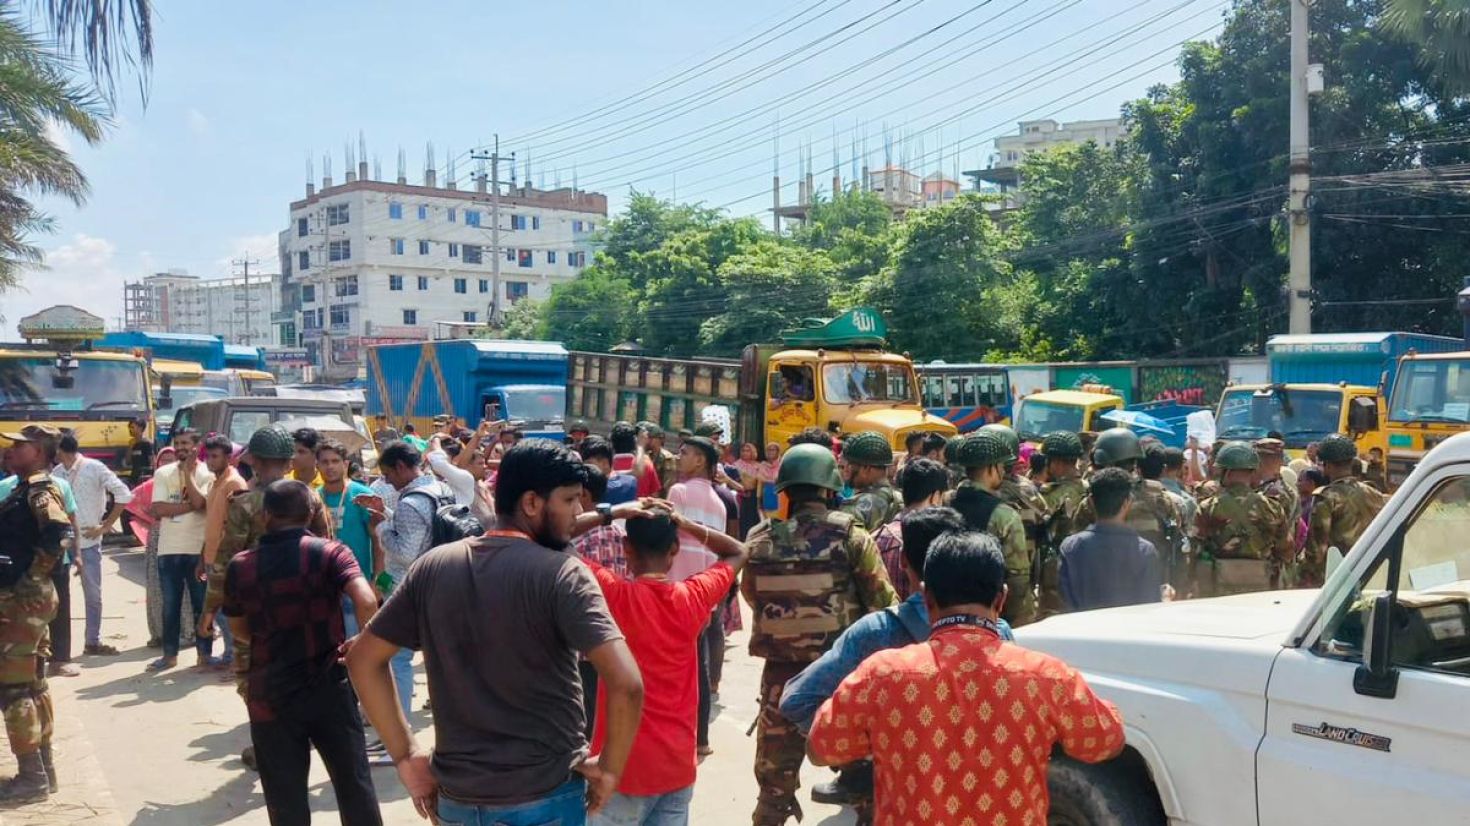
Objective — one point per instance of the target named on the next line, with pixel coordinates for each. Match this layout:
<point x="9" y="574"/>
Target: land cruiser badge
<point x="1346" y="736"/>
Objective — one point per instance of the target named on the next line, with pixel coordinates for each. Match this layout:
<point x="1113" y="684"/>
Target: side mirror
<point x="1363" y="415"/>
<point x="1377" y="677"/>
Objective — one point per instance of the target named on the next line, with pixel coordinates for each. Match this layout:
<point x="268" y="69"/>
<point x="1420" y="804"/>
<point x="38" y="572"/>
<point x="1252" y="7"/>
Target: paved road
<point x="142" y="750"/>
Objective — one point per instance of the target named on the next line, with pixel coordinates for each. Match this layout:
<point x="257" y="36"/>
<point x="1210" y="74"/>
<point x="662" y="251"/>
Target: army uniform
<point x="807" y="579"/>
<point x="875" y="505"/>
<point x="1063" y="498"/>
<point x="985" y="448"/>
<point x="1157" y="517"/>
<point x="664" y="461"/>
<point x="33" y="521"/>
<point x="1340" y="512"/>
<point x="1238" y="534"/>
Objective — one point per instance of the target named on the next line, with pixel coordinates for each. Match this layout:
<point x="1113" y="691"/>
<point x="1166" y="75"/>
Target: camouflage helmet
<point x="1337" y="448"/>
<point x="951" y="449"/>
<point x="1061" y="444"/>
<point x="808" y="465"/>
<point x="1237" y="456"/>
<point x="1115" y="446"/>
<point x="272" y="442"/>
<point x="1006" y="435"/>
<point x="984" y="448"/>
<point x="867" y="448"/>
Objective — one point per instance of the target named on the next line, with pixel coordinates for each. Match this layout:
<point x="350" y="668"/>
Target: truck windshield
<point x="545" y="404"/>
<point x="1433" y="390"/>
<point x="858" y="382"/>
<point x="1301" y="416"/>
<point x="116" y="387"/>
<point x="1038" y="418"/>
<point x="183" y="397"/>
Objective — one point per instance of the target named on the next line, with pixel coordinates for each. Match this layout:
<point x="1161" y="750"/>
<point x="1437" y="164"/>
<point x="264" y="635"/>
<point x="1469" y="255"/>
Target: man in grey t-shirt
<point x="502" y="619"/>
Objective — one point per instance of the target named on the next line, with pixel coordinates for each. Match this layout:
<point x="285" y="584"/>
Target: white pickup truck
<point x="1344" y="705"/>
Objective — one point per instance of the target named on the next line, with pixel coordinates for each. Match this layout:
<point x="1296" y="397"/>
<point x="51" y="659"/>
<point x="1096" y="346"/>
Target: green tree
<point x="109" y="35"/>
<point x="768" y="288"/>
<point x="684" y="287"/>
<point x="645" y="225"/>
<point x="593" y="312"/>
<point x="36" y="89"/>
<point x="1441" y="31"/>
<point x="524" y="319"/>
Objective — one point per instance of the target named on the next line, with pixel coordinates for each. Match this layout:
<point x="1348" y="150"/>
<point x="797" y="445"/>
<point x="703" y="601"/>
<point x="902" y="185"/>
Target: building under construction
<point x="237" y="308"/>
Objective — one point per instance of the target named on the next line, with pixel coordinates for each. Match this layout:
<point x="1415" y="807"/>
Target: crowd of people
<point x="571" y="601"/>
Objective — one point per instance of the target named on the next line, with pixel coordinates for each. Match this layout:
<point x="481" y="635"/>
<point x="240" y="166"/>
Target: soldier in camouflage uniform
<point x="34" y="525"/>
<point x="271" y="449"/>
<point x="1064" y="495"/>
<point x="664" y="461"/>
<point x="1340" y="512"/>
<point x="811" y="574"/>
<point x="1025" y="497"/>
<point x="1271" y="481"/>
<point x="874" y="501"/>
<point x="952" y="462"/>
<point x="1239" y="530"/>
<point x="1154" y="514"/>
<point x="987" y="459"/>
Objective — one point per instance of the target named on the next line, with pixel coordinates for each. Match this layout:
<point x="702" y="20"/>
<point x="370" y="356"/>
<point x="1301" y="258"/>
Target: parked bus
<point x="969" y="396"/>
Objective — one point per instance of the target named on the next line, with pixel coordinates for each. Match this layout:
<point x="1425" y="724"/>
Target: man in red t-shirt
<point x="628" y="459"/>
<point x="662" y="621"/>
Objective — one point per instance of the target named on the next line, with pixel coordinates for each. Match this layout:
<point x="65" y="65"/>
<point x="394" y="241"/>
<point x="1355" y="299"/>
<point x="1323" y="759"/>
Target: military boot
<point x="852" y="786"/>
<point x="248" y="758"/>
<point x="29" y="783"/>
<point x="48" y="760"/>
<point x="773" y="813"/>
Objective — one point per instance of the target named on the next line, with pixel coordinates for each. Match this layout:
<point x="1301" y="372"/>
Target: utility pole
<point x="1299" y="281"/>
<point x="494" y="159"/>
<point x="244" y="261"/>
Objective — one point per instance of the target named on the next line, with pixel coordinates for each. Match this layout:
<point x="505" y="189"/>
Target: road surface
<point x="136" y="749"/>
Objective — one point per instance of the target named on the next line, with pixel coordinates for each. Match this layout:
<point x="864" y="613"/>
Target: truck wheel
<point x="1116" y="793"/>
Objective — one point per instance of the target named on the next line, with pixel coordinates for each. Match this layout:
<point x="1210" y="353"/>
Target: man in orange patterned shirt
<point x="961" y="727"/>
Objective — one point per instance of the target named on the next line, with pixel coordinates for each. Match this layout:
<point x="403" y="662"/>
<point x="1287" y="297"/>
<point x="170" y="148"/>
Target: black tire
<point x="1116" y="793"/>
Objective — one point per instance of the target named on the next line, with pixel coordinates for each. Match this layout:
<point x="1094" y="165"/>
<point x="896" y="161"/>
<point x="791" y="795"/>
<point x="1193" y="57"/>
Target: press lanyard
<point x="969" y="620"/>
<point x="510" y="534"/>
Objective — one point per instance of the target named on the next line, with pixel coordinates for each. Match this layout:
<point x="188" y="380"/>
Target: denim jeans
<point x="402" y="666"/>
<point x="92" y="592"/>
<point x="175" y="578"/>
<point x="671" y="809"/>
<point x="349" y="617"/>
<point x="563" y="806"/>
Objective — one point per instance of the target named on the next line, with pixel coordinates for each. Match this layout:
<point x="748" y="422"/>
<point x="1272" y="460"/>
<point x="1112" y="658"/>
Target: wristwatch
<point x="605" y="511"/>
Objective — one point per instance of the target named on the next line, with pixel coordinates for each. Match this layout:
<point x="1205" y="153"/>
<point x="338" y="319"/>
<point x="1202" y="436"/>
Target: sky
<point x="693" y="101"/>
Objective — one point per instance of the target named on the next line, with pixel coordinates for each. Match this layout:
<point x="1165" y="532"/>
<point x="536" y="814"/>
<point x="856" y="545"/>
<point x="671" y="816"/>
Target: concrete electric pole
<point x="244" y="262"/>
<point x="495" y="252"/>
<point x="1299" y="281"/>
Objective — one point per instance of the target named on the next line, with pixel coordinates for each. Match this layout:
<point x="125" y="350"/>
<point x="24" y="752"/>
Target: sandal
<point x="100" y="649"/>
<point x="162" y="664"/>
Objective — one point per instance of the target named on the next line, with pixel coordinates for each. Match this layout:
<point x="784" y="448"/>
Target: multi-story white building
<point x="1003" y="175"/>
<point x="367" y="262"/>
<point x="237" y="308"/>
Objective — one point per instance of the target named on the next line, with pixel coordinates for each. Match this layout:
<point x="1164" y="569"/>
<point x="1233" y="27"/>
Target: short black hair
<point x="408" y="427"/>
<point x="596" y="447"/>
<point x="186" y="433"/>
<point x="811" y="436"/>
<point x="217" y="441"/>
<point x="68" y="443"/>
<point x="595" y="482"/>
<point x="922" y="478"/>
<point x="654" y="535"/>
<point x="934" y="441"/>
<point x="922" y="527"/>
<point x="332" y="445"/>
<point x="915" y="438"/>
<point x="1037" y="462"/>
<point x="1151" y="466"/>
<point x="1110" y="488"/>
<point x="141" y="421"/>
<point x="399" y="453"/>
<point x="537" y="466"/>
<point x="307" y="437"/>
<point x="1276" y="434"/>
<point x="1173" y="458"/>
<point x="288" y="499"/>
<point x="964" y="569"/>
<point x="624" y="437"/>
<point x="1316" y="475"/>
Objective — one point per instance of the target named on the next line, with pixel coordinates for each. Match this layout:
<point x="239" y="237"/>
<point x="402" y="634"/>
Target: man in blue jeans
<point x="92" y="483"/>
<point x="180" y="491"/>
<point x="527" y="607"/>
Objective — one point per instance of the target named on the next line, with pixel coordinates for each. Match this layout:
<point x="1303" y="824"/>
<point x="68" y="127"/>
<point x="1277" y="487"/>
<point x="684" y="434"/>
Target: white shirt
<point x="695" y="500"/>
<point x="91" y="483"/>
<point x="184" y="533"/>
<point x="462" y="482"/>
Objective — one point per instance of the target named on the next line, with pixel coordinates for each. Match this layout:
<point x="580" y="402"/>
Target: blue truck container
<point x="1356" y="358"/>
<point x="207" y="351"/>
<point x="417" y="381"/>
<point x="242" y="357"/>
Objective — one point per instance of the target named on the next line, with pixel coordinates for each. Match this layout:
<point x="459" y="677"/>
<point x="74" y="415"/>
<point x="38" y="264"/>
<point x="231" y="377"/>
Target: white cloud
<point x="59" y="136"/>
<point x="82" y="271"/>
<point x="262" y="251"/>
<point x="197" y="123"/>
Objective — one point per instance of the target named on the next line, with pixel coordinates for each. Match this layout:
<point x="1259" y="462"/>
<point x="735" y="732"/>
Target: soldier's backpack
<point x="451" y="521"/>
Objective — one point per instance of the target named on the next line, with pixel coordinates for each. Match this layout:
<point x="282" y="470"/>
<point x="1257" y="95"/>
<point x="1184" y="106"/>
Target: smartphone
<point x="369" y="501"/>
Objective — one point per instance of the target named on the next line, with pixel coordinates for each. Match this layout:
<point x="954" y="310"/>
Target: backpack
<point x="451" y="521"/>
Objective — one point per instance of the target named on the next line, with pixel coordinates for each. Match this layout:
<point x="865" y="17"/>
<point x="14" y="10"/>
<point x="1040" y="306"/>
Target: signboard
<point x="1074" y="377"/>
<point x="384" y="331"/>
<point x="288" y="357"/>
<point x="1199" y="384"/>
<point x="344" y="350"/>
<point x="61" y="323"/>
